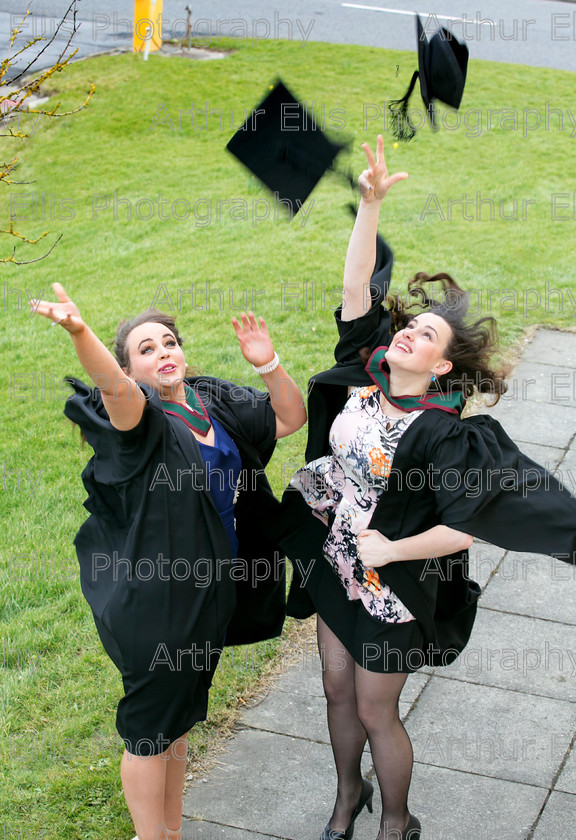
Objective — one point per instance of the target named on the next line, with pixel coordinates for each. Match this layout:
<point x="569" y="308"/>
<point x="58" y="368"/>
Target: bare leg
<point x="175" y="772"/>
<point x="347" y="735"/>
<point x="144" y="780"/>
<point x="377" y="702"/>
<point x="153" y="787"/>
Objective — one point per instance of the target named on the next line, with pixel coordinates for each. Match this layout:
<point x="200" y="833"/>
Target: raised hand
<point x="255" y="343"/>
<point x="375" y="181"/>
<point x="65" y="313"/>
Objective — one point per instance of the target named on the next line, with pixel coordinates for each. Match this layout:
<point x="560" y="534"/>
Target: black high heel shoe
<point x="412" y="830"/>
<point x="365" y="800"/>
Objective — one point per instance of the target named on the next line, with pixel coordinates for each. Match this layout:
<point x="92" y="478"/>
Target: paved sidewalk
<point x="493" y="734"/>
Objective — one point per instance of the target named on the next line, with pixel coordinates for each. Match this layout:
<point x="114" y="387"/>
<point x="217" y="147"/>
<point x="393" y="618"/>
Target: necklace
<point x="390" y="422"/>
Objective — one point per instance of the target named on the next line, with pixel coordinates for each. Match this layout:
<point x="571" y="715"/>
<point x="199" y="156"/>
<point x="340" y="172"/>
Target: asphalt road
<point x="534" y="32"/>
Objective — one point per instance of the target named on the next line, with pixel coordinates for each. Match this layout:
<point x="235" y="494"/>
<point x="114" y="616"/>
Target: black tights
<point x="364" y="705"/>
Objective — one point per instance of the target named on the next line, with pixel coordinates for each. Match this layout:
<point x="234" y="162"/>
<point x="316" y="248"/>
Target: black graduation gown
<point x="467" y="474"/>
<point x="156" y="564"/>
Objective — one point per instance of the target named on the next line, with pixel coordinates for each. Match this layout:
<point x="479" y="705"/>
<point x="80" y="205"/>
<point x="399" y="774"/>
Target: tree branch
<point x="51" y="41"/>
<point x="27" y="262"/>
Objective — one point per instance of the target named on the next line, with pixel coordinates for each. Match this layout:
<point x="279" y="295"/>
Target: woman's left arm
<point x="374" y="184"/>
<point x="285" y="397"/>
<point x="374" y="549"/>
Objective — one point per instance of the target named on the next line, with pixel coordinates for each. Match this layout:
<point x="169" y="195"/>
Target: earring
<point x="433" y="378"/>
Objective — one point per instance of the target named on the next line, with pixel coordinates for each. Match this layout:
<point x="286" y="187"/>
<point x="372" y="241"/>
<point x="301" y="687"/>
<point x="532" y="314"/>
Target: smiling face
<point x="420" y="347"/>
<point x="156" y="358"/>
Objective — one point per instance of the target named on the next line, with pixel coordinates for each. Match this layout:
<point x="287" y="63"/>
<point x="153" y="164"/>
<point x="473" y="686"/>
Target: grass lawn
<point x="144" y="203"/>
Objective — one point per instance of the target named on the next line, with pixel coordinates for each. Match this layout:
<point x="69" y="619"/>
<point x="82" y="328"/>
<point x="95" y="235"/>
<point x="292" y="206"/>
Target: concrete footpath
<point x="493" y="734"/>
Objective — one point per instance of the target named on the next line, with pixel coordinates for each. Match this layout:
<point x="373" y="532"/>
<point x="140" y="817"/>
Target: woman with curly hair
<point x="379" y="521"/>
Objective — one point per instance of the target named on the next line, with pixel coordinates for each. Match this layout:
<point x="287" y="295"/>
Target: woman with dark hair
<point x="379" y="521"/>
<point x="178" y="499"/>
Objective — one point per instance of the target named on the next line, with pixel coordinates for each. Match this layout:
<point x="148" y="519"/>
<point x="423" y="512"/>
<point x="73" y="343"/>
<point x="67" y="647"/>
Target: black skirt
<point x="379" y="646"/>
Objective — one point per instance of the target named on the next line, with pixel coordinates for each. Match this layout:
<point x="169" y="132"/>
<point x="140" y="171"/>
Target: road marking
<point x="422" y="14"/>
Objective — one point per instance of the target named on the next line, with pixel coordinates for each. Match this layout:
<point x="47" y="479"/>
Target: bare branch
<point x="8" y="168"/>
<point x="14" y="106"/>
<point x="27" y="262"/>
<point x="16" y="31"/>
<point x="52" y="39"/>
<point x="7" y="62"/>
<point x="53" y="113"/>
<point x="21" y="236"/>
<point x="22" y="135"/>
<point x="32" y="87"/>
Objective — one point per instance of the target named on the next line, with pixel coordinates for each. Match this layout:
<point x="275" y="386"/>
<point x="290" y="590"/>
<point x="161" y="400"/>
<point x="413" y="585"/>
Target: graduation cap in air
<point x="442" y="65"/>
<point x="283" y="146"/>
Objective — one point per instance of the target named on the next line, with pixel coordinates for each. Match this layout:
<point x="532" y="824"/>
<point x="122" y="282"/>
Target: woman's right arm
<point x="123" y="398"/>
<point x="374" y="183"/>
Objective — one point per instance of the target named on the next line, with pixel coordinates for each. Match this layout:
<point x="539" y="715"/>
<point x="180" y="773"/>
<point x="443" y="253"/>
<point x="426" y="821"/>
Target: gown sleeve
<point x="119" y="455"/>
<point x="373" y="328"/>
<point x="257" y="418"/>
<point x="485" y="486"/>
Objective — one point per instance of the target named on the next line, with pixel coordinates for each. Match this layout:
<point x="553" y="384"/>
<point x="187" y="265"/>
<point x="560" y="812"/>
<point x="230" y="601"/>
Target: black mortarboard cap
<point x="283" y="146"/>
<point x="442" y="65"/>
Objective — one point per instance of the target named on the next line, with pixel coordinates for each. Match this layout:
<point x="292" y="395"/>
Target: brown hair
<point x="120" y="344"/>
<point x="472" y="344"/>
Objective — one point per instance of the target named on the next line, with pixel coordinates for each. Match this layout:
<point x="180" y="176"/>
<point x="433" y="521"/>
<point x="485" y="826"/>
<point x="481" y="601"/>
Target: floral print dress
<point x="343" y="490"/>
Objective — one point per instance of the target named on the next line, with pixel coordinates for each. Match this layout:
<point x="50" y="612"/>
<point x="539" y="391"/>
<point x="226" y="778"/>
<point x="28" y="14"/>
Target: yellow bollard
<point x="147" y="26"/>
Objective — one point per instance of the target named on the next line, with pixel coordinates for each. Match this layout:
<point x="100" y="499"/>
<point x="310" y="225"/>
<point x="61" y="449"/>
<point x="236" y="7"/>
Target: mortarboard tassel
<point x="402" y="128"/>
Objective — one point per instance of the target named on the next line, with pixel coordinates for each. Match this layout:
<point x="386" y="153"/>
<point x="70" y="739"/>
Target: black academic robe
<point x="466" y="474"/>
<point x="156" y="565"/>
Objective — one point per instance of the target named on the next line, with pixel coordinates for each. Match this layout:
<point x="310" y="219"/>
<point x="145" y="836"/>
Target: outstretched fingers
<point x="47" y="308"/>
<point x="379" y="161"/>
<point x="250" y="324"/>
<point x="63" y="312"/>
<point x="255" y="342"/>
<point x="370" y="155"/>
<point x="398" y="176"/>
<point x="375" y="181"/>
<point x="60" y="292"/>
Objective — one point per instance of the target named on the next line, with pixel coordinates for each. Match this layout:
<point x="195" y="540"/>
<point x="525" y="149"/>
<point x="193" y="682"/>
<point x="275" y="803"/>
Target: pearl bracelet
<point x="269" y="366"/>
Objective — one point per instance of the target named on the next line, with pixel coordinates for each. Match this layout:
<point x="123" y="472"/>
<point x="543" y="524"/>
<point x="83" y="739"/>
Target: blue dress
<point x="222" y="464"/>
